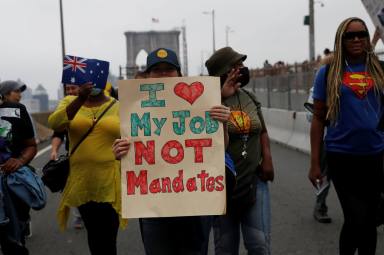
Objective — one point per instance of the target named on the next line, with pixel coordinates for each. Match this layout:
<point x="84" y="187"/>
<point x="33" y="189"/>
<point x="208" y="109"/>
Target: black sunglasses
<point x="353" y="35"/>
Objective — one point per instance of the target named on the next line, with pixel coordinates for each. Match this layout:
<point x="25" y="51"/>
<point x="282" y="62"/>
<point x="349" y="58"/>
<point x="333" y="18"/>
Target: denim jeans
<point x="255" y="227"/>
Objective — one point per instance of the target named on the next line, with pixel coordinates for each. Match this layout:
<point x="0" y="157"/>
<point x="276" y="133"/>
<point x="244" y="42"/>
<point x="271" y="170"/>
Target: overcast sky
<point x="30" y="44"/>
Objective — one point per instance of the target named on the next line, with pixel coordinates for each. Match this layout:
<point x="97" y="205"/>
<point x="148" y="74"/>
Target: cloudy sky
<point x="30" y="44"/>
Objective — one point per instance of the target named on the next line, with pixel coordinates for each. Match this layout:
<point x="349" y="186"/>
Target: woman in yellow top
<point x="93" y="182"/>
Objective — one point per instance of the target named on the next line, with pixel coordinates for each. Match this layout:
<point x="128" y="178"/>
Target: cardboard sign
<point x="375" y="9"/>
<point x="175" y="165"/>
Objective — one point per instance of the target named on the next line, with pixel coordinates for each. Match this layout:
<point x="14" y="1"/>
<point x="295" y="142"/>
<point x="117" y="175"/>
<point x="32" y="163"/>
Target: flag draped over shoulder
<point x="78" y="70"/>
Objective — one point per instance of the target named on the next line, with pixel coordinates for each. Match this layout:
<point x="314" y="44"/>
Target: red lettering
<point x="139" y="181"/>
<point x="165" y="152"/>
<point x="219" y="183"/>
<point x="154" y="187"/>
<point x="211" y="184"/>
<point x="177" y="183"/>
<point x="191" y="184"/>
<point x="202" y="177"/>
<point x="198" y="145"/>
<point x="166" y="185"/>
<point x="146" y="152"/>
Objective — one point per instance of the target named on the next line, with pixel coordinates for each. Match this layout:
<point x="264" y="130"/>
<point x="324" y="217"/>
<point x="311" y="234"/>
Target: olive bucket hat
<point x="222" y="61"/>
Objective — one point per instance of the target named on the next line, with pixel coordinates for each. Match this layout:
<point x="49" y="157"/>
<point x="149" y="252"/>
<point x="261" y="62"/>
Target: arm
<point x="67" y="109"/>
<point x="55" y="143"/>
<point x="29" y="152"/>
<point x="316" y="136"/>
<point x="76" y="104"/>
<point x="267" y="172"/>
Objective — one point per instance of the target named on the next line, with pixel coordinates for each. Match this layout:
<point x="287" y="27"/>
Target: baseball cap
<point x="222" y="61"/>
<point x="162" y="55"/>
<point x="7" y="87"/>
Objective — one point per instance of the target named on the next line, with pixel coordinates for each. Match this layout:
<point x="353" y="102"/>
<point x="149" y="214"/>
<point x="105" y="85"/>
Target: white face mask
<point x="96" y="91"/>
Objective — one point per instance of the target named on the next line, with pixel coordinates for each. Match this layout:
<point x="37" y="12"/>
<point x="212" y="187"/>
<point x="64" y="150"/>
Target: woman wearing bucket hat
<point x="249" y="206"/>
<point x="170" y="235"/>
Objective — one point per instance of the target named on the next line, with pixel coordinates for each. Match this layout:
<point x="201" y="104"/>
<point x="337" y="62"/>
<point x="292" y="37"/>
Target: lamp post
<point x="212" y="13"/>
<point x="227" y="31"/>
<point x="62" y="29"/>
<point x="311" y="31"/>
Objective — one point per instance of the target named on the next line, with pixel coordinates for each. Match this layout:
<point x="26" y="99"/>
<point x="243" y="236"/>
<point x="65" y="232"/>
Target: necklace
<point x="94" y="113"/>
<point x="243" y="131"/>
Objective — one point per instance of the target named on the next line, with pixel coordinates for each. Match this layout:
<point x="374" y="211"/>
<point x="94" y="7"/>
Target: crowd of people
<point x="346" y="139"/>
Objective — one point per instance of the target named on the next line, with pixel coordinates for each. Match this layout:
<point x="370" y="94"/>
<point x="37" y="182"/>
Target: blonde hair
<point x="337" y="65"/>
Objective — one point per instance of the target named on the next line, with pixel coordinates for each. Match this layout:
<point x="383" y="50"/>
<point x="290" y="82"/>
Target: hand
<point x="220" y="113"/>
<point x="85" y="90"/>
<point x="315" y="176"/>
<point x="54" y="155"/>
<point x="267" y="173"/>
<point x="11" y="165"/>
<point x="231" y="85"/>
<point x="120" y="147"/>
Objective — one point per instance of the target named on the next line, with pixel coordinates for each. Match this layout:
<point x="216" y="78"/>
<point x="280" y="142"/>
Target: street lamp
<point x="227" y="31"/>
<point x="62" y="29"/>
<point x="311" y="23"/>
<point x="212" y="13"/>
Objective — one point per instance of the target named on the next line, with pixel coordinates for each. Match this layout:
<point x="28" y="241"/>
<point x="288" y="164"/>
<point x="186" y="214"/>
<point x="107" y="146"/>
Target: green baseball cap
<point x="222" y="61"/>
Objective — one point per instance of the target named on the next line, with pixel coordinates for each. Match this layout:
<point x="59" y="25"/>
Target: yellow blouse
<point x="94" y="172"/>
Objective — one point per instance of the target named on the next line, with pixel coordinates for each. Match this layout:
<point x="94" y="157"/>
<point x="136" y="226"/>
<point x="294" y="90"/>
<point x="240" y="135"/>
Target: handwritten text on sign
<point x="176" y="163"/>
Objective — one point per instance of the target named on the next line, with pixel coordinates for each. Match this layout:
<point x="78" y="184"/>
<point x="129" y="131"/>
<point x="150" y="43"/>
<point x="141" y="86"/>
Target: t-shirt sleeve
<point x="319" y="86"/>
<point x="27" y="126"/>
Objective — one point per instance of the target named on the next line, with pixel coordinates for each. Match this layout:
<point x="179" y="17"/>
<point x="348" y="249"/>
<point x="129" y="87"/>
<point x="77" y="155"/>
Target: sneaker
<point x="322" y="216"/>
<point x="78" y="223"/>
<point x="28" y="230"/>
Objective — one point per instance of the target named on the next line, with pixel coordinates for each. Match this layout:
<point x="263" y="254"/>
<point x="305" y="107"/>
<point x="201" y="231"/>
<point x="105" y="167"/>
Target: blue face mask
<point x="96" y="91"/>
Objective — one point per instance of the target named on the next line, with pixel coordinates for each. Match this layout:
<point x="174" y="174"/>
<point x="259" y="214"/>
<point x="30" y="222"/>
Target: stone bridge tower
<point x="148" y="41"/>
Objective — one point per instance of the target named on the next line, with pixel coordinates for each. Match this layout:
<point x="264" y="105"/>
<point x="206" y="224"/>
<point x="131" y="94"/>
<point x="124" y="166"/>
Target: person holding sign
<point x="249" y="205"/>
<point x="170" y="235"/>
<point x="348" y="103"/>
<point x="93" y="185"/>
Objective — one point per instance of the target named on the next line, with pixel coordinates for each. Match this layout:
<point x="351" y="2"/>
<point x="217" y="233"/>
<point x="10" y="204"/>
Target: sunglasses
<point x="352" y="35"/>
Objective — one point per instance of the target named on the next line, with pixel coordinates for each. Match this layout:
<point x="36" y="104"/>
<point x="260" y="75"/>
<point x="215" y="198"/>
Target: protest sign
<point x="175" y="165"/>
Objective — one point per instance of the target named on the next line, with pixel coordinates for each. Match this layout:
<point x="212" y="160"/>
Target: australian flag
<point x="78" y="70"/>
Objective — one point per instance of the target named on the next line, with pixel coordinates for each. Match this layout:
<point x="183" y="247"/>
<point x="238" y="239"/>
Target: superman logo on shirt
<point x="359" y="82"/>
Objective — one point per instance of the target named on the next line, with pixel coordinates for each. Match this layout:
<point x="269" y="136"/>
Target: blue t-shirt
<point x="355" y="131"/>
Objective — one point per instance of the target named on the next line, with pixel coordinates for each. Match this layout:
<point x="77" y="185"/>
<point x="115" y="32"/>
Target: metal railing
<point x="285" y="91"/>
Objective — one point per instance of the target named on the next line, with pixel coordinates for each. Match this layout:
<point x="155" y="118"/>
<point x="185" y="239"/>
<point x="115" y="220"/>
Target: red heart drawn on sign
<point x="189" y="92"/>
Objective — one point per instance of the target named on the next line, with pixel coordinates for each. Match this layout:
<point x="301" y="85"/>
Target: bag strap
<point x="92" y="127"/>
<point x="258" y="107"/>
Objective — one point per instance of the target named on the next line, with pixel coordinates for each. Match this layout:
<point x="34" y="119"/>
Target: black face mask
<point x="243" y="79"/>
<point x="244" y="76"/>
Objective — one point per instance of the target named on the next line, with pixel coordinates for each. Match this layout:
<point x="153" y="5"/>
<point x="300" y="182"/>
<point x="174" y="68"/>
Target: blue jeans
<point x="255" y="226"/>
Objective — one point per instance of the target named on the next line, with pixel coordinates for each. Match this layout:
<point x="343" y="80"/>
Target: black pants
<point x="358" y="180"/>
<point x="172" y="235"/>
<point x="102" y="224"/>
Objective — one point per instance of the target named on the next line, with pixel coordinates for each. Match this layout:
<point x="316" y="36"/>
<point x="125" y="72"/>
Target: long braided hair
<point x="337" y="65"/>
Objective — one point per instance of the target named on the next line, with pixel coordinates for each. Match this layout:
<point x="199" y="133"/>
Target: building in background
<point x="40" y="94"/>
